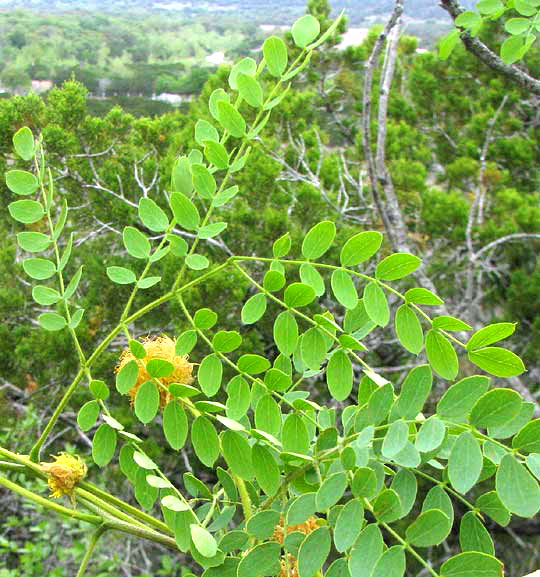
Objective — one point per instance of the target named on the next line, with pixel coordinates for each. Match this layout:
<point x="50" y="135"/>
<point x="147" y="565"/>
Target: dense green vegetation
<point x="116" y="49"/>
<point x="111" y="53"/>
<point x="456" y="133"/>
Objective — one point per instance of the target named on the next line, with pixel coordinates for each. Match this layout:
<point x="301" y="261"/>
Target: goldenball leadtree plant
<point x="301" y="489"/>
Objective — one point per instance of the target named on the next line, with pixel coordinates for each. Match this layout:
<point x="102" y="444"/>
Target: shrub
<point x="300" y="487"/>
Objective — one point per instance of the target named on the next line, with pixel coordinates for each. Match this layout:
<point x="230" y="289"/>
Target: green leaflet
<point x="127" y="377"/>
<point x="318" y="240"/>
<point x="268" y="415"/>
<point x="495" y="408"/>
<point x="313" y="348"/>
<point x="23" y="142"/>
<point x="152" y="215"/>
<point x="237" y="453"/>
<point x="263" y="558"/>
<point x="205" y="441"/>
<point x="366" y="551"/>
<point x="497" y="361"/>
<point x="397" y="266"/>
<point x="295" y="436"/>
<point x="405" y="485"/>
<point x="441" y="355"/>
<point x="395" y="439"/>
<point x="286" y="332"/>
<point x="185" y="211"/>
<point x="339" y="375"/>
<point x="311" y="276"/>
<point x="376" y="304"/>
<point x="472" y="564"/>
<point x="465" y="462"/>
<point x="304" y="31"/>
<point x="175" y="425"/>
<point x="88" y="414"/>
<point x="275" y="55"/>
<point x="360" y="247"/>
<point x="331" y="491"/>
<point x="391" y="563"/>
<point x="348" y="525"/>
<point x="238" y="397"/>
<point x="460" y="398"/>
<point x="266" y="469"/>
<point x="104" y="445"/>
<point x="344" y="289"/>
<point x="473" y="536"/>
<point x="231" y="120"/>
<point x="430" y="528"/>
<point x="517" y="488"/>
<point x="298" y="295"/>
<point x="414" y="392"/>
<point x="490" y="334"/>
<point x="313" y="552"/>
<point x="387" y="506"/>
<point x="253" y="309"/>
<point x="210" y="374"/>
<point x="409" y="330"/>
<point x="147" y="402"/>
<point x="262" y="524"/>
<point x="431" y="435"/>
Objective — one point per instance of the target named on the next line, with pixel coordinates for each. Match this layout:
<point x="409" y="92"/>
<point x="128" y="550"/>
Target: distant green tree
<point x="15" y="79"/>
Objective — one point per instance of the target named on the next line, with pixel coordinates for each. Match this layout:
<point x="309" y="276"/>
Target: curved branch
<point x="488" y="57"/>
<point x="507" y="238"/>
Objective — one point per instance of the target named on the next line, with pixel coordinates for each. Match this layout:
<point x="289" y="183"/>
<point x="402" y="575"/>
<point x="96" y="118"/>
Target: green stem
<point x="103" y="505"/>
<point x="126" y="507"/>
<point x="6" y="466"/>
<point x="114" y="519"/>
<point x="403" y="542"/>
<point x="142" y="532"/>
<point x="150" y="306"/>
<point x="410" y="549"/>
<point x="58" y="259"/>
<point x="34" y="453"/>
<point x="244" y="497"/>
<point x="90" y="549"/>
<point x="90" y="493"/>
<point x="57" y="508"/>
<point x="448" y="489"/>
<point x="212" y="509"/>
<point x="480" y="435"/>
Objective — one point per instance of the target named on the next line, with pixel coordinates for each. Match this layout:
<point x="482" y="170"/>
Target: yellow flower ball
<point x="159" y="348"/>
<point x="64" y="473"/>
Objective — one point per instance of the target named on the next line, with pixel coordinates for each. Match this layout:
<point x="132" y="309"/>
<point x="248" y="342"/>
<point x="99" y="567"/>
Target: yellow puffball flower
<point x="288" y="566"/>
<point x="64" y="473"/>
<point x="307" y="527"/>
<point x="159" y="348"/>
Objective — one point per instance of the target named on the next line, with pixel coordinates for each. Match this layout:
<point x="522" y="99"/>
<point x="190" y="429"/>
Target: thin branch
<point x="366" y="119"/>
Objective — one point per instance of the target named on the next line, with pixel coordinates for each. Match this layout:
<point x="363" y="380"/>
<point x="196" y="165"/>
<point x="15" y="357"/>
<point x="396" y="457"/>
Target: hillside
<point x="278" y="11"/>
